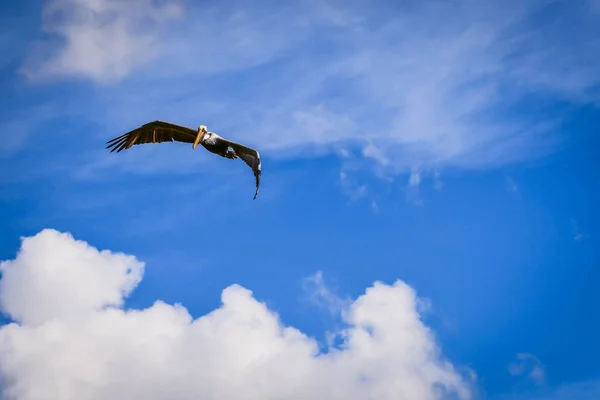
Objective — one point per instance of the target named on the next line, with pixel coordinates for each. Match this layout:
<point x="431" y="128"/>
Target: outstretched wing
<point x="251" y="158"/>
<point x="152" y="132"/>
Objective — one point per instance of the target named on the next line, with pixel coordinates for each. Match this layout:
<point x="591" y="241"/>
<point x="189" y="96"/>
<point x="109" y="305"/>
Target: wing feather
<point x="152" y="132"/>
<point x="251" y="157"/>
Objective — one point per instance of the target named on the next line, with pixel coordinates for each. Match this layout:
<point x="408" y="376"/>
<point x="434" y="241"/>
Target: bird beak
<point x="198" y="138"/>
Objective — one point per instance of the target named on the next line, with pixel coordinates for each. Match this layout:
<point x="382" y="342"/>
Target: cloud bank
<point x="72" y="339"/>
<point x="421" y="86"/>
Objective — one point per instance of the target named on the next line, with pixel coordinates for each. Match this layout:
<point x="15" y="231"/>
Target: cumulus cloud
<point x="55" y="276"/>
<point x="73" y="339"/>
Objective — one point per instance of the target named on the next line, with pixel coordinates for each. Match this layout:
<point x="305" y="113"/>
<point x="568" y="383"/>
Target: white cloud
<point x="415" y="178"/>
<point x="72" y="340"/>
<point x="438" y="184"/>
<point x="372" y="151"/>
<point x="320" y="294"/>
<point x="374" y="206"/>
<point x="435" y="84"/>
<point x="104" y="40"/>
<point x="351" y="188"/>
<point x="529" y="366"/>
<point x="55" y="276"/>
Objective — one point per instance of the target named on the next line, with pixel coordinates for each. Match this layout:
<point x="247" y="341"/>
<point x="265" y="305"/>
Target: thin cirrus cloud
<point x="425" y="85"/>
<point x="93" y="348"/>
<point x="529" y="366"/>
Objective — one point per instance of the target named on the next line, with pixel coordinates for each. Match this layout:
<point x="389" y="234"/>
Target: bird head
<point x="201" y="132"/>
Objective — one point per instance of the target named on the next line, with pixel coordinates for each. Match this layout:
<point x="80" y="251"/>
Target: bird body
<point x="160" y="131"/>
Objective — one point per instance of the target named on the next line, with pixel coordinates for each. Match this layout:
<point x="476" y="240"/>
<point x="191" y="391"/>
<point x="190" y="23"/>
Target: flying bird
<point x="160" y="131"/>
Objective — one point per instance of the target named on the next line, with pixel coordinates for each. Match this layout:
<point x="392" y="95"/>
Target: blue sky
<point x="450" y="145"/>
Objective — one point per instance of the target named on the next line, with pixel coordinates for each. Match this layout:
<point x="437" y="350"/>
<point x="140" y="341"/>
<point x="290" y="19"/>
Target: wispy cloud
<point x="510" y="185"/>
<point x="103" y="40"/>
<point x="323" y="296"/>
<point x="529" y="366"/>
<point x="430" y="84"/>
<point x="576" y="231"/>
<point x="351" y="188"/>
<point x="438" y="184"/>
<point x="415" y="178"/>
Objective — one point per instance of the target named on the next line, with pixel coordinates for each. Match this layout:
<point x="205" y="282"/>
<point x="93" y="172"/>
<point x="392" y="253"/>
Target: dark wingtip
<point x="117" y="146"/>
<point x="117" y="138"/>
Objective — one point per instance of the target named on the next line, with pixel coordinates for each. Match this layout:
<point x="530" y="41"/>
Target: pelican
<point x="160" y="131"/>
